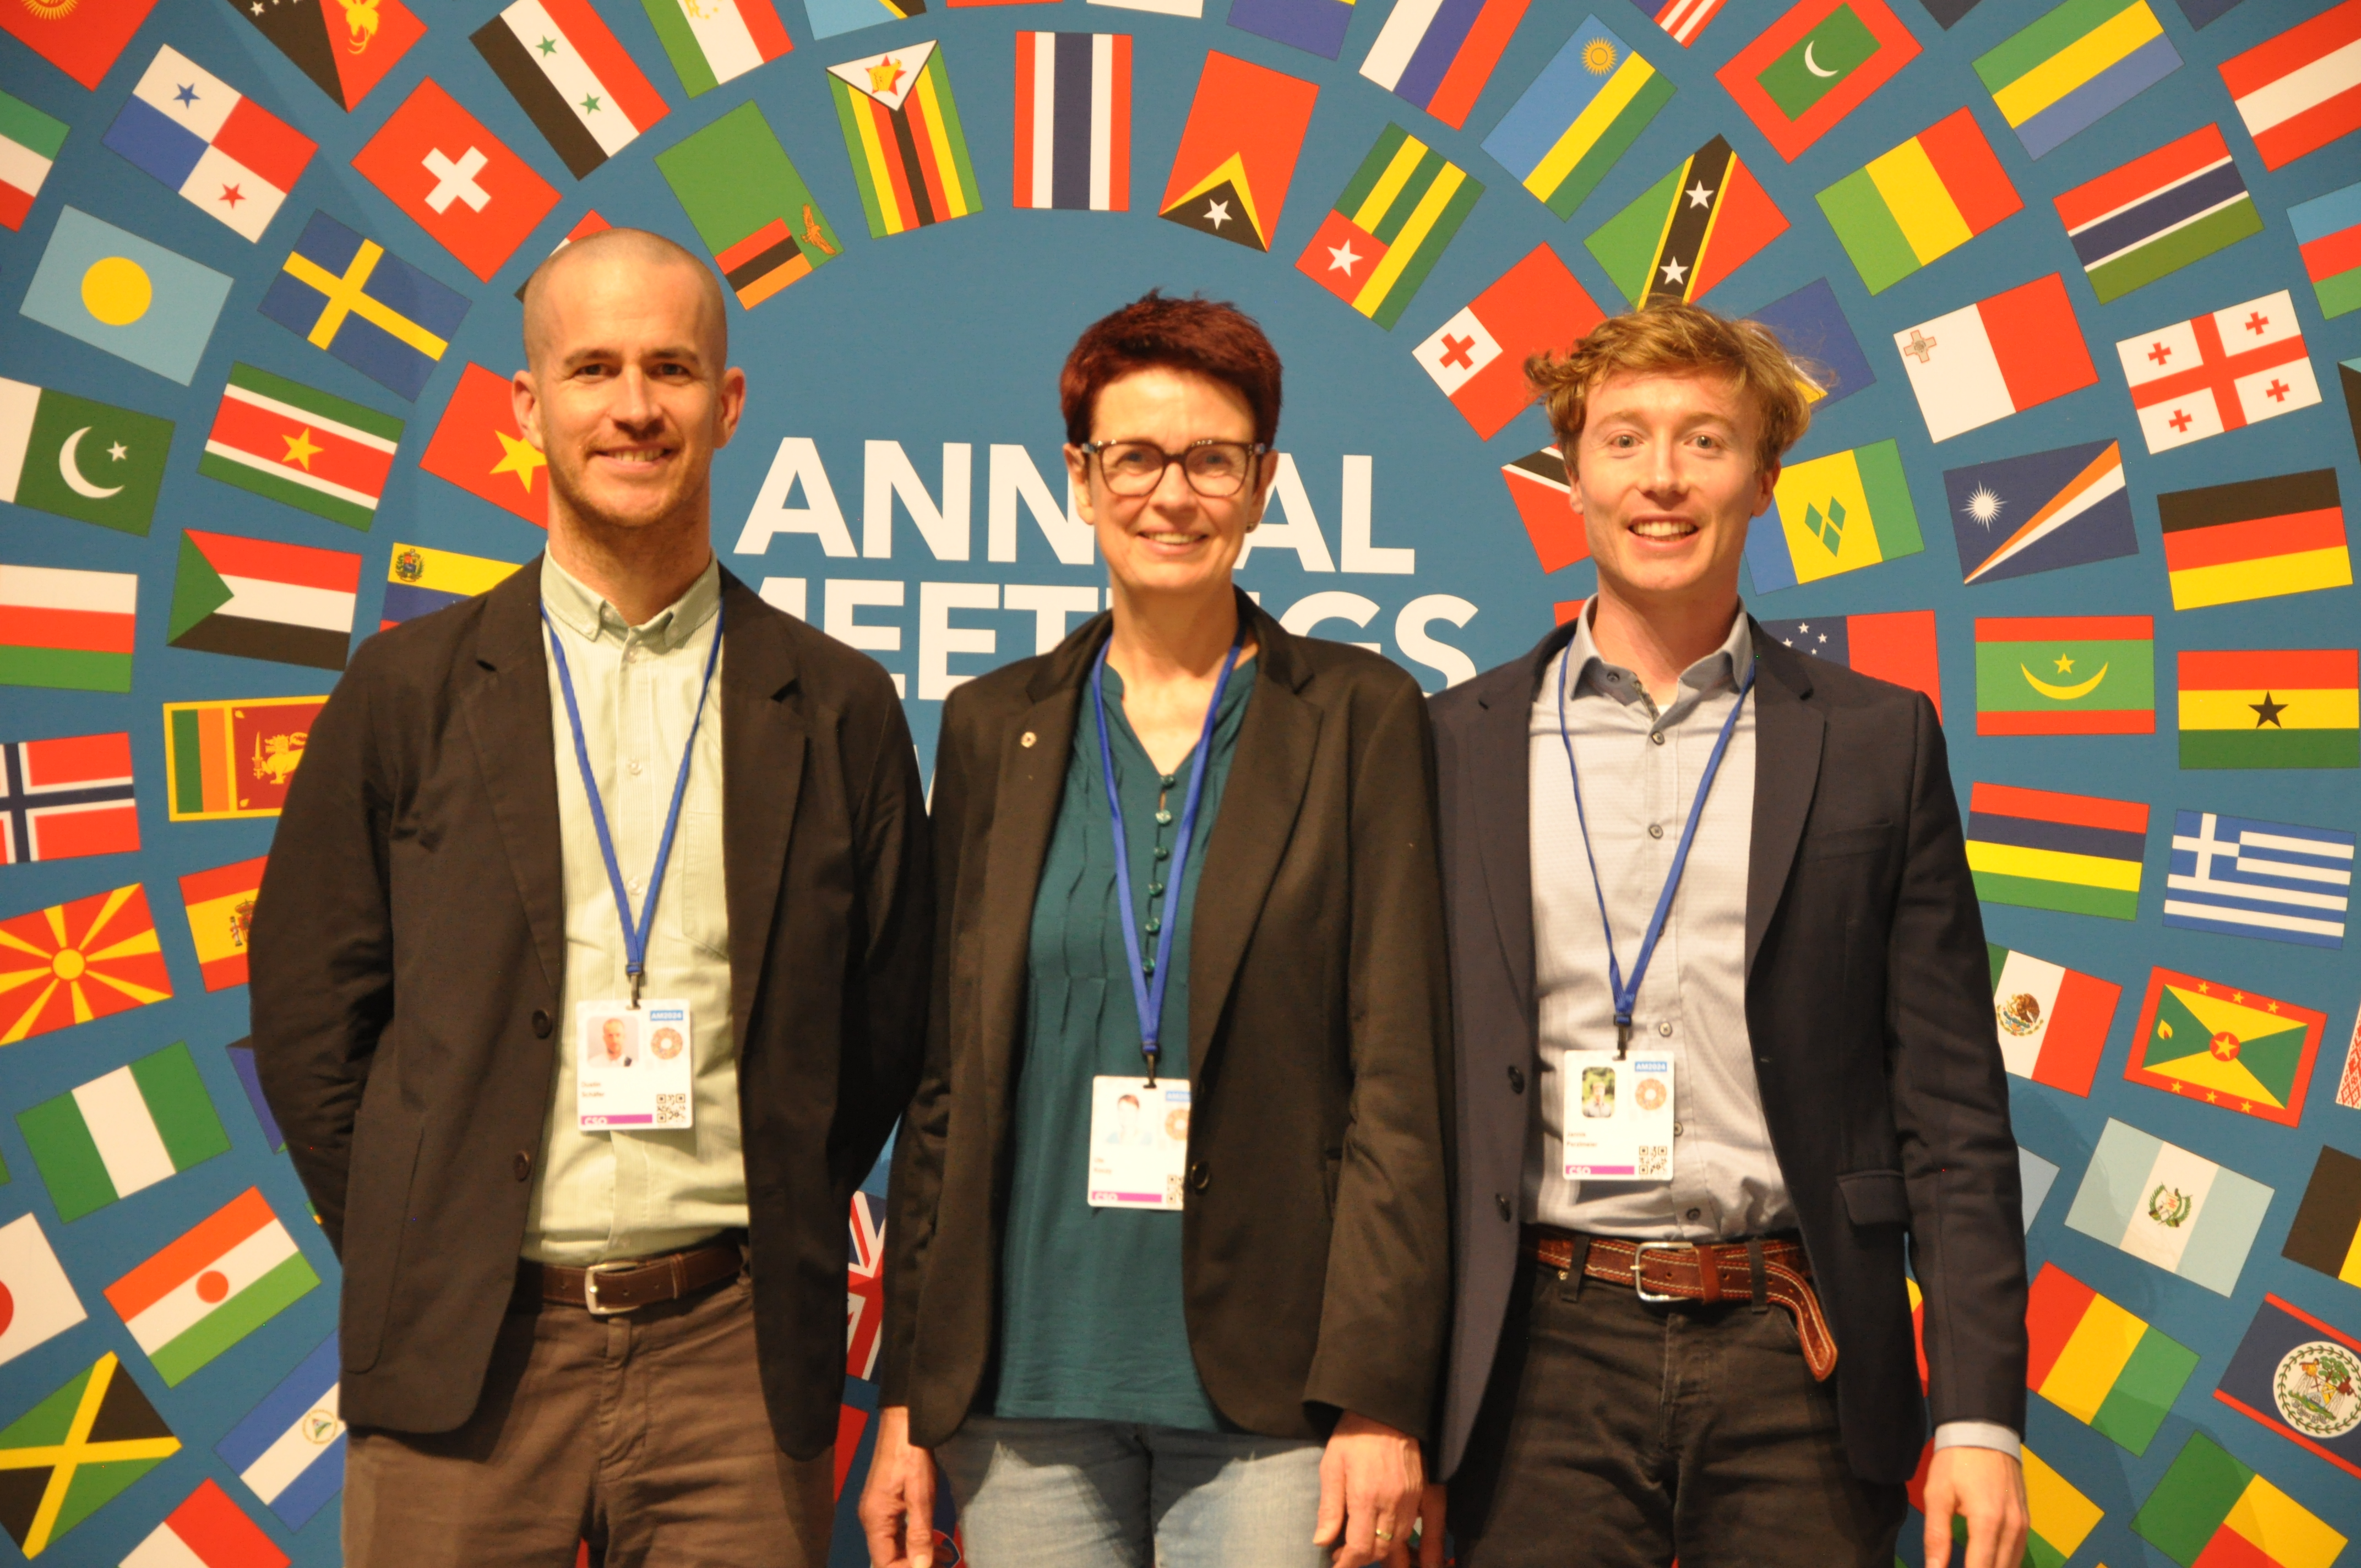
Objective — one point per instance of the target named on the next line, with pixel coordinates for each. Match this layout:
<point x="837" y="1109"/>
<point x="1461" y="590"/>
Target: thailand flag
<point x="290" y="1448"/>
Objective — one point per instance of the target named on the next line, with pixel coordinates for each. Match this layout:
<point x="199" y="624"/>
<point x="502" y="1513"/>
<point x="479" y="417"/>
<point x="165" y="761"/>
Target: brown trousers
<point x="643" y="1434"/>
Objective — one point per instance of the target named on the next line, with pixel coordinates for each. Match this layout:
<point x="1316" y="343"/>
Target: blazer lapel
<point x="762" y="745"/>
<point x="1501" y="759"/>
<point x="1787" y="735"/>
<point x="515" y="740"/>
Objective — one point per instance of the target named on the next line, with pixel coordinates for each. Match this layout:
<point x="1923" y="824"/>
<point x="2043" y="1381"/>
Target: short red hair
<point x="1206" y="337"/>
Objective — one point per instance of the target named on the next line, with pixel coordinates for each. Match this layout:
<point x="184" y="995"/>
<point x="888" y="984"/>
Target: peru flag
<point x="438" y="163"/>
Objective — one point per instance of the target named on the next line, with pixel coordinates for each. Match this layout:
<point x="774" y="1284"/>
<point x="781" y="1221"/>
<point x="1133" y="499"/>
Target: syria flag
<point x="463" y="185"/>
<point x="1477" y="358"/>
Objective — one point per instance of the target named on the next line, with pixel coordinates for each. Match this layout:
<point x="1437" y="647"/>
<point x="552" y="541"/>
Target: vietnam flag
<point x="72" y="962"/>
<point x="463" y="185"/>
<point x="221" y="917"/>
<point x="479" y="447"/>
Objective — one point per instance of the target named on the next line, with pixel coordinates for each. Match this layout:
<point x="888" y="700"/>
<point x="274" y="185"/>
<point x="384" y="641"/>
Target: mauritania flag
<point x="2243" y="878"/>
<point x="2052" y="1021"/>
<point x="122" y="1132"/>
<point x="2110" y="1370"/>
<point x="1580" y="116"/>
<point x="29" y="141"/>
<point x="365" y="305"/>
<point x="299" y="445"/>
<point x="290" y="1448"/>
<point x="2326" y="1234"/>
<point x="2016" y="516"/>
<point x="2229" y="1045"/>
<point x="714" y="41"/>
<point x="2212" y="1509"/>
<point x="2301" y="1378"/>
<point x="1393" y="222"/>
<point x="202" y="1294"/>
<point x="572" y="77"/>
<point x="1837" y="513"/>
<point x="2167" y="1206"/>
<point x="207" y="1530"/>
<point x="66" y="628"/>
<point x="2045" y="849"/>
<point x="2079" y="62"/>
<point x="2255" y="539"/>
<point x="258" y="598"/>
<point x="1995" y="358"/>
<point x="2270" y="707"/>
<point x="76" y="1451"/>
<point x="419" y="580"/>
<point x="1438" y="54"/>
<point x="1925" y="199"/>
<point x="78" y="458"/>
<point x="2158" y="213"/>
<point x="2066" y="675"/>
<point x="2329" y="230"/>
<point x="902" y="131"/>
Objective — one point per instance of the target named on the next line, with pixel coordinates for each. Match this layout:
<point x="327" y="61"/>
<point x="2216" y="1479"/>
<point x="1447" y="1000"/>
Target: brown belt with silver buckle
<point x="606" y="1288"/>
<point x="1767" y="1269"/>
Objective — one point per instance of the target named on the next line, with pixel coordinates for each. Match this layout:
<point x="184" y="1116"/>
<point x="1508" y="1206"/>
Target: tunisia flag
<point x="461" y="182"/>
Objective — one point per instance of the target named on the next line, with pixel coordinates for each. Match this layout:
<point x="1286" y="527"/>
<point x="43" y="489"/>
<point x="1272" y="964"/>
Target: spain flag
<point x="72" y="962"/>
<point x="221" y="917"/>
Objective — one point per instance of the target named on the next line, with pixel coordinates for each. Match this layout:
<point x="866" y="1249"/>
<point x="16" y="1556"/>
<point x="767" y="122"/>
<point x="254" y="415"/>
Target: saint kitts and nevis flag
<point x="902" y="131"/>
<point x="2326" y="1234"/>
<point x="41" y="1300"/>
<point x="1907" y="208"/>
<point x="257" y="598"/>
<point x="2270" y="707"/>
<point x="2016" y="516"/>
<point x="572" y="77"/>
<point x="226" y="761"/>
<point x="1073" y="110"/>
<point x="1396" y="217"/>
<point x="65" y="628"/>
<point x="2051" y="1021"/>
<point x="2079" y="675"/>
<point x="1579" y="117"/>
<point x="291" y="443"/>
<point x="1477" y="358"/>
<point x="289" y="1449"/>
<point x="2109" y="1369"/>
<point x="1834" y="514"/>
<point x="455" y="180"/>
<point x="29" y="141"/>
<point x="2219" y="371"/>
<point x="2158" y="213"/>
<point x="2039" y="849"/>
<point x="2301" y="1378"/>
<point x="2212" y="1509"/>
<point x="2225" y="1044"/>
<point x="754" y="212"/>
<point x="2167" y="1206"/>
<point x="478" y="447"/>
<point x="229" y="1275"/>
<point x="1438" y="54"/>
<point x="76" y="1451"/>
<point x="713" y="41"/>
<point x="2064" y="72"/>
<point x="122" y="1132"/>
<point x="2329" y="230"/>
<point x="349" y="295"/>
<point x="207" y="1530"/>
<point x="220" y="907"/>
<point x="1895" y="645"/>
<point x="1995" y="358"/>
<point x="2277" y="880"/>
<point x="2302" y="90"/>
<point x="72" y="962"/>
<point x="419" y="581"/>
<point x="344" y="54"/>
<point x="79" y="458"/>
<point x="1689" y="230"/>
<point x="2255" y="539"/>
<point x="1238" y="151"/>
<point x="1813" y="66"/>
<point x="66" y="796"/>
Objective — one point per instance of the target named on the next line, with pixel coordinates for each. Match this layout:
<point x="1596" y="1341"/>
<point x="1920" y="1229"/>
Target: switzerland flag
<point x="458" y="181"/>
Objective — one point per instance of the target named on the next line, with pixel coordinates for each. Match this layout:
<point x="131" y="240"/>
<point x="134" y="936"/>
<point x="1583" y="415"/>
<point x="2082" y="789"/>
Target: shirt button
<point x="1027" y="738"/>
<point x="524" y="1165"/>
<point x="1665" y="1028"/>
<point x="1170" y="780"/>
<point x="542" y="1025"/>
<point x="1656" y="737"/>
<point x="1163" y="853"/>
<point x="1516" y="1080"/>
<point x="1695" y="1214"/>
<point x="1155" y="889"/>
<point x="1155" y="924"/>
<point x="632" y="767"/>
<point x="1676" y="1129"/>
<point x="1656" y="829"/>
<point x="1164" y="819"/>
<point x="1199" y="1176"/>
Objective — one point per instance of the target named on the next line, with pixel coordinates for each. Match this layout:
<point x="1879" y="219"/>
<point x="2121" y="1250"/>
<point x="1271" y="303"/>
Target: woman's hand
<point x="1370" y="1478"/>
<point x="898" y="1506"/>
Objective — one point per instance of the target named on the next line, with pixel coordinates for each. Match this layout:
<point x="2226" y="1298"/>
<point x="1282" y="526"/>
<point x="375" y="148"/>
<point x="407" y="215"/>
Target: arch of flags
<point x="2097" y="265"/>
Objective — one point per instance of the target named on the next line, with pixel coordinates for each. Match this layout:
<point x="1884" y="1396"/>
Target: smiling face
<point x="1666" y="478"/>
<point x="1171" y="541"/>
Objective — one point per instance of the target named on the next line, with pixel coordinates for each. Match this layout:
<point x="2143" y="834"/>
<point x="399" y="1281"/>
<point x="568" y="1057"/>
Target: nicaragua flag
<point x="290" y="1448"/>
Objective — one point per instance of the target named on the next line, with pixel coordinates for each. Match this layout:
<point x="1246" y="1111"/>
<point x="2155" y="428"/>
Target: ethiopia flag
<point x="203" y="1293"/>
<point x="2101" y="1365"/>
<point x="2072" y="675"/>
<point x="72" y="962"/>
<point x="2045" y="849"/>
<point x="2270" y="707"/>
<point x="2212" y="1509"/>
<point x="2224" y="1045"/>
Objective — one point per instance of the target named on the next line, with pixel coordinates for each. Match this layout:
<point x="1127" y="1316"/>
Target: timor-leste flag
<point x="2108" y="1369"/>
<point x="2301" y="1376"/>
<point x="749" y="206"/>
<point x="2224" y="1045"/>
<point x="2270" y="707"/>
<point x="227" y="760"/>
<point x="1238" y="151"/>
<point x="1398" y="212"/>
<point x="1689" y="230"/>
<point x="76" y="1451"/>
<point x="478" y="447"/>
<point x="2255" y="539"/>
<point x="296" y="443"/>
<point x="456" y="180"/>
<point x="72" y="962"/>
<point x="2066" y="675"/>
<point x="1815" y="65"/>
<point x="220" y="905"/>
<point x="2211" y="1508"/>
<point x="2326" y="1234"/>
<point x="419" y="581"/>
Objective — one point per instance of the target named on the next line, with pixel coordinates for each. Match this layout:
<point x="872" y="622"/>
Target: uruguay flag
<point x="290" y="1448"/>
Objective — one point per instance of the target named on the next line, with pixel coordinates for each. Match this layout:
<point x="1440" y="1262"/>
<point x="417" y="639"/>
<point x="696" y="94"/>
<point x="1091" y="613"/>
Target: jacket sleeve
<point x="1386" y="1308"/>
<point x="321" y="959"/>
<point x="1950" y="1104"/>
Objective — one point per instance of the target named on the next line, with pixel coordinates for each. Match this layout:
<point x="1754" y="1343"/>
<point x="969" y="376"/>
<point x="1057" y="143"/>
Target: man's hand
<point x="898" y="1506"/>
<point x="1430" y="1525"/>
<point x="1986" y="1488"/>
<point x="1370" y="1478"/>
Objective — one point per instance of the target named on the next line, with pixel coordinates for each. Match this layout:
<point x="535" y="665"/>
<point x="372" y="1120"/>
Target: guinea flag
<point x="2071" y="674"/>
<point x="2098" y="1363"/>
<point x="2270" y="707"/>
<point x="203" y="1293"/>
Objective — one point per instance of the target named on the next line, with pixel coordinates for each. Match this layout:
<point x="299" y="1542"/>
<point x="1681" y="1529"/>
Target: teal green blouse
<point x="1091" y="1323"/>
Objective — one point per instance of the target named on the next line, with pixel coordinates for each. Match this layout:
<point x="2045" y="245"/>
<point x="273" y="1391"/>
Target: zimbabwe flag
<point x="2270" y="707"/>
<point x="72" y="962"/>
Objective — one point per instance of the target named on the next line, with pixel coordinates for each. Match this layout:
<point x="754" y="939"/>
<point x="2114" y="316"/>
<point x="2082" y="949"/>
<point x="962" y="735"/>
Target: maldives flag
<point x="461" y="182"/>
<point x="2218" y="372"/>
<point x="479" y="447"/>
<point x="1477" y="358"/>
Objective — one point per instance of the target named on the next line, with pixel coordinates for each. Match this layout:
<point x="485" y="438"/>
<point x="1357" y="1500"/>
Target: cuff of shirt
<point x="1978" y="1434"/>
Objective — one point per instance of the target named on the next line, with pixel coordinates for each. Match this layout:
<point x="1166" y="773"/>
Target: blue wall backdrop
<point x="2143" y="633"/>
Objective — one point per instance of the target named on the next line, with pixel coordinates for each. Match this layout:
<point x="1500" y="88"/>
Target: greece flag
<point x="2259" y="879"/>
<point x="290" y="1448"/>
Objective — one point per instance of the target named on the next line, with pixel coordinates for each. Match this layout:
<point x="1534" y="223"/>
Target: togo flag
<point x="122" y="1132"/>
<point x="299" y="445"/>
<point x="2172" y="1208"/>
<point x="81" y="459"/>
<point x="290" y="1448"/>
<point x="1837" y="513"/>
<point x="217" y="1283"/>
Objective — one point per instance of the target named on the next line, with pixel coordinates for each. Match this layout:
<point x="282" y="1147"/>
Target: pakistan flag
<point x="80" y="460"/>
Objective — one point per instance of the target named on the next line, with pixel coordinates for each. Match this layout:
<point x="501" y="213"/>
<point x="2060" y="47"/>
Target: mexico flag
<point x="2218" y="372"/>
<point x="211" y="1287"/>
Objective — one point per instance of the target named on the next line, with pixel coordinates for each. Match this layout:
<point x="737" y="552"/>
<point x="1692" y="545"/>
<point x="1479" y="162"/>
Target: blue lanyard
<point x="635" y="932"/>
<point x="1148" y="979"/>
<point x="1627" y="997"/>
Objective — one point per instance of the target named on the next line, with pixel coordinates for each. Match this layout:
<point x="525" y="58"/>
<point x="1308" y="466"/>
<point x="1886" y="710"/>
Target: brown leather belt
<point x="606" y="1288"/>
<point x="1764" y="1270"/>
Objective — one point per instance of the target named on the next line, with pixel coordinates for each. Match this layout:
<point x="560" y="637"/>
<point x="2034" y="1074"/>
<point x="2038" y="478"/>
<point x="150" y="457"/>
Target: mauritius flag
<point x="2046" y="850"/>
<point x="2108" y="1369"/>
<point x="2212" y="1509"/>
<point x="2069" y="674"/>
<point x="202" y="1294"/>
<point x="2270" y="707"/>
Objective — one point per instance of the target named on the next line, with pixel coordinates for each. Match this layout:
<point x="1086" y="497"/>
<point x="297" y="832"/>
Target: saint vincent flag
<point x="301" y="445"/>
<point x="902" y="131"/>
<point x="2045" y="849"/>
<point x="72" y="962"/>
<point x="752" y="209"/>
<point x="478" y="447"/>
<point x="2052" y="1021"/>
<point x="2329" y="230"/>
<point x="233" y="759"/>
<point x="2270" y="707"/>
<point x="1815" y="65"/>
<point x="225" y="1278"/>
<point x="78" y="458"/>
<point x="1580" y="116"/>
<point x="2089" y="675"/>
<point x="2066" y="70"/>
<point x="2228" y="1047"/>
<point x="1689" y="230"/>
<point x="419" y="581"/>
<point x="2256" y="539"/>
<point x="122" y="1132"/>
<point x="1834" y="514"/>
<point x="365" y="305"/>
<point x="220" y="905"/>
<point x="1906" y="208"/>
<point x="1896" y="645"/>
<point x="344" y="49"/>
<point x="1238" y="151"/>
<point x="714" y="41"/>
<point x="30" y="143"/>
<point x="2301" y="1378"/>
<point x="2108" y="1369"/>
<point x="75" y="1452"/>
<point x="1393" y="222"/>
<point x="2016" y="516"/>
<point x="2212" y="1509"/>
<point x="2326" y="1234"/>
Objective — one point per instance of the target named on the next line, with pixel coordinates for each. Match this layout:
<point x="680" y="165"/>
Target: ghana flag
<point x="2270" y="707"/>
<point x="2212" y="1509"/>
<point x="2224" y="1045"/>
<point x="2044" y="849"/>
<point x="1391" y="225"/>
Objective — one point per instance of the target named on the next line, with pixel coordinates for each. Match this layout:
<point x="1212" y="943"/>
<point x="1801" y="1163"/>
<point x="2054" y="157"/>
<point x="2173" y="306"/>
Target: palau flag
<point x="129" y="296"/>
<point x="365" y="305"/>
<point x="419" y="581"/>
<point x="2226" y="1045"/>
<point x="1580" y="116"/>
<point x="1393" y="222"/>
<point x="1834" y="514"/>
<point x="2072" y="67"/>
<point x="2301" y="1378"/>
<point x="2212" y="1508"/>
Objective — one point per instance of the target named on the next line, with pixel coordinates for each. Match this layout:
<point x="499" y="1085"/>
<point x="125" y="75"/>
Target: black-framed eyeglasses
<point x="1214" y="470"/>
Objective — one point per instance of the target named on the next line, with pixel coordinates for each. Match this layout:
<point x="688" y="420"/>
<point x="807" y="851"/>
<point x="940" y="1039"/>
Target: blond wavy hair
<point x="1675" y="339"/>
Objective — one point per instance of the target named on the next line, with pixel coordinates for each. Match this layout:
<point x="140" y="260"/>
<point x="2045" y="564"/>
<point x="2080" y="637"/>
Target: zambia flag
<point x="2270" y="707"/>
<point x="1391" y="226"/>
<point x="2224" y="1045"/>
<point x="754" y="212"/>
<point x="76" y="1451"/>
<point x="2068" y="675"/>
<point x="1689" y="230"/>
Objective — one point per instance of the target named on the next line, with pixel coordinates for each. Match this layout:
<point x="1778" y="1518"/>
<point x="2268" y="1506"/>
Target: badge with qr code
<point x="1617" y="1124"/>
<point x="633" y="1066"/>
<point x="1139" y="1143"/>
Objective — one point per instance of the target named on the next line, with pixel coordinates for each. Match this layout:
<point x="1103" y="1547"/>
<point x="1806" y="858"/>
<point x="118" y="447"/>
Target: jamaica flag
<point x="75" y="1452"/>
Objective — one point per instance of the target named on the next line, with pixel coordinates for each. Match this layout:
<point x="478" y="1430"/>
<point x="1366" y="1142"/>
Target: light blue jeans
<point x="1061" y="1494"/>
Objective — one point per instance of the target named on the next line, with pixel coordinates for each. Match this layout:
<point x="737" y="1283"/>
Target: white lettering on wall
<point x="939" y="639"/>
<point x="1411" y="635"/>
<point x="847" y="595"/>
<point x="887" y="476"/>
<point x="1334" y="604"/>
<point x="1011" y="479"/>
<point x="797" y="462"/>
<point x="1301" y="532"/>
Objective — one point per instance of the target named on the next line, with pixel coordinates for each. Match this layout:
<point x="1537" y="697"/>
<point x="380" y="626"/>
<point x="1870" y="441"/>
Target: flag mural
<point x="1073" y="114"/>
<point x="365" y="306"/>
<point x="71" y="795"/>
<point x="289" y="1449"/>
<point x="2051" y="1021"/>
<point x="30" y="143"/>
<point x="2083" y="61"/>
<point x="2329" y="229"/>
<point x="1543" y="494"/>
<point x="75" y="458"/>
<point x="2168" y="1206"/>
<point x="419" y="581"/>
<point x="478" y="447"/>
<point x="2256" y="539"/>
<point x="1390" y="225"/>
<point x="41" y="1300"/>
<point x="1811" y="326"/>
<point x="2220" y="371"/>
<point x="258" y="600"/>
<point x="230" y="157"/>
<point x="1897" y="645"/>
<point x="2040" y="513"/>
<point x="78" y="961"/>
<point x="124" y="1132"/>
<point x="573" y="78"/>
<point x="902" y="131"/>
<point x="2326" y="1234"/>
<point x="1995" y="358"/>
<point x="1438" y="54"/>
<point x="77" y="1451"/>
<point x="207" y="1530"/>
<point x="296" y="443"/>
<point x="2224" y="1045"/>
<point x="455" y="180"/>
<point x="2076" y="853"/>
<point x="2300" y="90"/>
<point x="1238" y="151"/>
<point x="1579" y="117"/>
<point x="710" y="42"/>
<point x="2107" y="1368"/>
<point x="2270" y="707"/>
<point x="131" y="296"/>
<point x="344" y="49"/>
<point x="220" y="1282"/>
<point x="1815" y="65"/>
<point x="220" y="905"/>
<point x="227" y="761"/>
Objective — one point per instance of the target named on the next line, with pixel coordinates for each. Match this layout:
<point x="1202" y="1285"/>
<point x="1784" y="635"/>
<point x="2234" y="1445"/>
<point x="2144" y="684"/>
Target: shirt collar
<point x="583" y="610"/>
<point x="1725" y="666"/>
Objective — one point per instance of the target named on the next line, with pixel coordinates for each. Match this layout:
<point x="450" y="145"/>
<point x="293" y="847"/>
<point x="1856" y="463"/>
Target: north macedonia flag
<point x="72" y="962"/>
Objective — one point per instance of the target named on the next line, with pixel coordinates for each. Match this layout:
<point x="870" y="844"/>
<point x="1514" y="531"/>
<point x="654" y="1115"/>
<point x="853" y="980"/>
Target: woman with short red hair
<point x="1167" y="1247"/>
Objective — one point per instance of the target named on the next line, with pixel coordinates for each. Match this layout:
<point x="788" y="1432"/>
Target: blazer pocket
<point x="1847" y="841"/>
<point x="1874" y="1198"/>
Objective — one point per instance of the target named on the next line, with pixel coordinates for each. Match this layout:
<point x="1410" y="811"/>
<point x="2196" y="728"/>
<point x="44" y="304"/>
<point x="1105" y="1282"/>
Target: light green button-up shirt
<point x="606" y="1195"/>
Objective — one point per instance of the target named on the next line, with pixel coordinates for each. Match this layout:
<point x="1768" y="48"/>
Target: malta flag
<point x="2302" y="90"/>
<point x="225" y="152"/>
<point x="2218" y="372"/>
<point x="1995" y="358"/>
<point x="572" y="77"/>
<point x="259" y="599"/>
<point x="37" y="1300"/>
<point x="461" y="182"/>
<point x="223" y="1280"/>
<point x="479" y="447"/>
<point x="1477" y="358"/>
<point x="220" y="905"/>
<point x="67" y="797"/>
<point x="207" y="1530"/>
